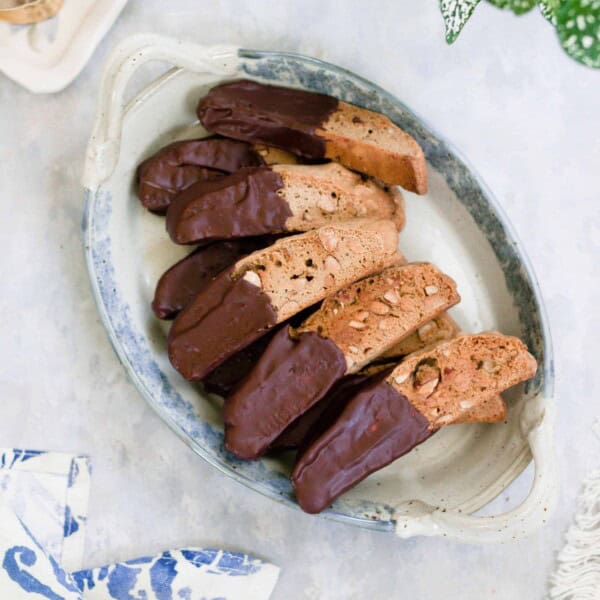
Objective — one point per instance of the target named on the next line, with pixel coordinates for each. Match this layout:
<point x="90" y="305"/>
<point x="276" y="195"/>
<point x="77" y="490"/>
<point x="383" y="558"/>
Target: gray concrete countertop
<point x="525" y="115"/>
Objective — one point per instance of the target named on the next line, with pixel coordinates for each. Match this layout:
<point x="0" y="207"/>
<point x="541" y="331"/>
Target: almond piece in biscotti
<point x="348" y="318"/>
<point x="278" y="199"/>
<point x="444" y="328"/>
<point x="394" y="412"/>
<point x="466" y="381"/>
<point x="275" y="156"/>
<point x="315" y="126"/>
<point x="339" y="339"/>
<point x="271" y="285"/>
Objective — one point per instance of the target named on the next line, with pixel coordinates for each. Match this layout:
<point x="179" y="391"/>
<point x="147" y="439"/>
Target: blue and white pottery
<point x="458" y="225"/>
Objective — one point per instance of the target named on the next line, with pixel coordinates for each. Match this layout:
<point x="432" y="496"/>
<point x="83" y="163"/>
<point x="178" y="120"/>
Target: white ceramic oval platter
<point x="458" y="225"/>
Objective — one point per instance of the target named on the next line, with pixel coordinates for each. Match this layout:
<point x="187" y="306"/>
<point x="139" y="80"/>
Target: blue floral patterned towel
<point x="43" y="506"/>
<point x="48" y="491"/>
<point x="192" y="574"/>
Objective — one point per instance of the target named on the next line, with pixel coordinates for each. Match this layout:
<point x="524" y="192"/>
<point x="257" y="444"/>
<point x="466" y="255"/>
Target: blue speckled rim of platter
<point x="133" y="350"/>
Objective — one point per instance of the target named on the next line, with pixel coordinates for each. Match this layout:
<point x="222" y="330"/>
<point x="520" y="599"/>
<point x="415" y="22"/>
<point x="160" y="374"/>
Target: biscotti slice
<point x="181" y="164"/>
<point x="445" y="382"/>
<point x="394" y="412"/>
<point x="316" y="126"/>
<point x="271" y="285"/>
<point x="278" y="199"/>
<point x="370" y="316"/>
<point x="444" y="328"/>
<point x="326" y="410"/>
<point x="178" y="286"/>
<point x="347" y="332"/>
<point x="319" y="416"/>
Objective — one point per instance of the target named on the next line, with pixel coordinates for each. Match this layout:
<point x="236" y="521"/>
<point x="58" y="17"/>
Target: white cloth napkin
<point x="43" y="508"/>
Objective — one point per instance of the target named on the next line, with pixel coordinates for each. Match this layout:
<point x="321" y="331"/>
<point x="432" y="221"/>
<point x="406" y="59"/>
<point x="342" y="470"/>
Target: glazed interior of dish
<point x="462" y="466"/>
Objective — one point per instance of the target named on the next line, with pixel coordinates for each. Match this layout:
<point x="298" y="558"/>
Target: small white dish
<point x="457" y="225"/>
<point x="45" y="57"/>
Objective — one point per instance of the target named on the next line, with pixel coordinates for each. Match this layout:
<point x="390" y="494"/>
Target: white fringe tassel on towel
<point x="578" y="573"/>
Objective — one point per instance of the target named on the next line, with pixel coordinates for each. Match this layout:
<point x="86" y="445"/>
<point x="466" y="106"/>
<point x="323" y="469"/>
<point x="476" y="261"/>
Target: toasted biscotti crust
<point x="368" y="317"/>
<point x="369" y="142"/>
<point x="298" y="271"/>
<point x="445" y="382"/>
<point x="321" y="194"/>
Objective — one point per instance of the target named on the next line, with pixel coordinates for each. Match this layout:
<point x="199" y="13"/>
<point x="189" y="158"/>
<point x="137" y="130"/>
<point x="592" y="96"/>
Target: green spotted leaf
<point x="519" y="7"/>
<point x="578" y="26"/>
<point x="549" y="8"/>
<point x="455" y="14"/>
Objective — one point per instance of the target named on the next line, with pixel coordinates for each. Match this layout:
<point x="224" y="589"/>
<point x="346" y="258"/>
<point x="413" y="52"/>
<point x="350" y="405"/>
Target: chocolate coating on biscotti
<point x="225" y="378"/>
<point x="282" y="117"/>
<point x="228" y="375"/>
<point x="377" y="426"/>
<point x="321" y="415"/>
<point x="239" y="205"/>
<point x="179" y="165"/>
<point x="291" y="375"/>
<point x="179" y="285"/>
<point x="228" y="315"/>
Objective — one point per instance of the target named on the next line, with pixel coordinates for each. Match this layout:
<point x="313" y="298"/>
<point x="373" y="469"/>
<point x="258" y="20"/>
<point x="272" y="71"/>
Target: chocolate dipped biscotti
<point x="269" y="286"/>
<point x="394" y="412"/>
<point x="349" y="330"/>
<point x="278" y="199"/>
<point x="322" y="414"/>
<point x="315" y="126"/>
<point x="179" y="284"/>
<point x="181" y="164"/>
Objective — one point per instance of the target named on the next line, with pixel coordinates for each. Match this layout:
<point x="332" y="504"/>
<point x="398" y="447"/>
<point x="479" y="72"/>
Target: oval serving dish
<point x="458" y="225"/>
